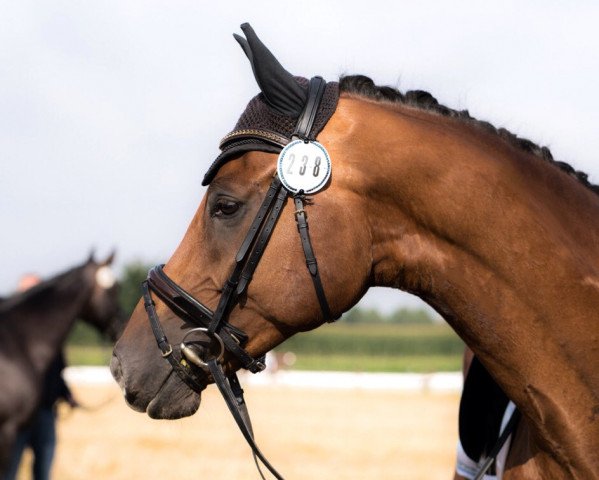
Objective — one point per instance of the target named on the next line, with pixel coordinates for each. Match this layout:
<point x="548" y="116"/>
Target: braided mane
<point x="364" y="86"/>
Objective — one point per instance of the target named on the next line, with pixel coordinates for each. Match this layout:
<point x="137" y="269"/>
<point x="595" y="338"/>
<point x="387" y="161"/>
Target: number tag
<point x="304" y="166"/>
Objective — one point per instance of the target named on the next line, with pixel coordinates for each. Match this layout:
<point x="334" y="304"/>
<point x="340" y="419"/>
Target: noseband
<point x="214" y="325"/>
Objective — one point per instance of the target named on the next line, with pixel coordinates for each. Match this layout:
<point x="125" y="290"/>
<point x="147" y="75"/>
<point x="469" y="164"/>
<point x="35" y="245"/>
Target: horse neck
<point x="44" y="318"/>
<point x="504" y="245"/>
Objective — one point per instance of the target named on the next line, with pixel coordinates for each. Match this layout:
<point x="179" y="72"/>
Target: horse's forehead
<point x="105" y="277"/>
<point x="248" y="170"/>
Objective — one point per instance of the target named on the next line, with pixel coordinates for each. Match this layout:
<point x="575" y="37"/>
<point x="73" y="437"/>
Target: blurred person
<point x="40" y="432"/>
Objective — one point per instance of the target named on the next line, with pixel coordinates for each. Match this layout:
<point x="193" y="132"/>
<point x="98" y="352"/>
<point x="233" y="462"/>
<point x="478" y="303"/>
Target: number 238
<point x="304" y="165"/>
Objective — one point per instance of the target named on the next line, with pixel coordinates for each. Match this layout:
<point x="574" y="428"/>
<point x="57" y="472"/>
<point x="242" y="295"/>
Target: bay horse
<point x="484" y="226"/>
<point x="33" y="327"/>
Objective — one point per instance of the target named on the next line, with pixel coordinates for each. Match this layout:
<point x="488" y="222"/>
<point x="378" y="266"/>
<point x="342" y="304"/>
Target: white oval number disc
<point x="304" y="166"/>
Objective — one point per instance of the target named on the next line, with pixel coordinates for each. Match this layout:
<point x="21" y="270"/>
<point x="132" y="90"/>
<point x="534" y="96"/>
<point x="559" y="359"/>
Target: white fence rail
<point x="417" y="382"/>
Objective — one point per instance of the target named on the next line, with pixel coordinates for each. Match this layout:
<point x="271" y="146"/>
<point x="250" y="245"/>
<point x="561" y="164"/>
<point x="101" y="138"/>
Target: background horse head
<point x="33" y="327"/>
<point x="484" y="226"/>
<point x="102" y="309"/>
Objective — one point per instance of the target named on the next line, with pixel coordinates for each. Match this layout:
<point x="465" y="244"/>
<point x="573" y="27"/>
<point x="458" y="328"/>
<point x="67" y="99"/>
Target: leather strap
<point x="229" y="294"/>
<point x="507" y="431"/>
<point x="274" y="188"/>
<point x="252" y="263"/>
<point x="157" y="280"/>
<point x="304" y="125"/>
<point x="180" y="301"/>
<point x="311" y="263"/>
<point x="232" y="393"/>
<point x="273" y="138"/>
<point x="166" y="348"/>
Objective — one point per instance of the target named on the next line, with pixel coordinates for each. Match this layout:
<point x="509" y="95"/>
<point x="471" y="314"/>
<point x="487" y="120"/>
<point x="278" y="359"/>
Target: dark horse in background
<point x="33" y="327"/>
<point x="486" y="227"/>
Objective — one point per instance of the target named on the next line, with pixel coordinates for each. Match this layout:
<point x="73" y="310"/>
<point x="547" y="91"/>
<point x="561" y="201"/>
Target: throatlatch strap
<point x="302" y="228"/>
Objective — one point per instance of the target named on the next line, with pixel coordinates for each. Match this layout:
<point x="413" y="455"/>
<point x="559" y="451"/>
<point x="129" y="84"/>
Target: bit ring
<point x="193" y="357"/>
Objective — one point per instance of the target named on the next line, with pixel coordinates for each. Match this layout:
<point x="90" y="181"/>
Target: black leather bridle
<point x="222" y="336"/>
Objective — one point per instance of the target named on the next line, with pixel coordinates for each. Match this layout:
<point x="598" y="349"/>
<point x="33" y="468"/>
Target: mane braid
<point x="364" y="86"/>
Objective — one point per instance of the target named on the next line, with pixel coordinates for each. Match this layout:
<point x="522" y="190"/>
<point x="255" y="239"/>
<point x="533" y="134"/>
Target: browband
<point x="251" y="133"/>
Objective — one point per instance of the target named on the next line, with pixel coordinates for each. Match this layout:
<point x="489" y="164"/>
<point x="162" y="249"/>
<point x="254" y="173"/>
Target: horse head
<point x="102" y="308"/>
<point x="276" y="300"/>
<point x="398" y="191"/>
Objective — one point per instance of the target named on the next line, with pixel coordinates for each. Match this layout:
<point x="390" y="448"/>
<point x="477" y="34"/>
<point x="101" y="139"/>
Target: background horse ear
<point x="110" y="258"/>
<point x="280" y="89"/>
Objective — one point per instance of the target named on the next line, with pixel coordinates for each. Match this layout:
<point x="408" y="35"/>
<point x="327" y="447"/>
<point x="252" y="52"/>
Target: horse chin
<point x="174" y="400"/>
<point x="166" y="398"/>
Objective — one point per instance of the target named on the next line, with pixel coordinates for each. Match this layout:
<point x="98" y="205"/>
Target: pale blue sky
<point x="111" y="111"/>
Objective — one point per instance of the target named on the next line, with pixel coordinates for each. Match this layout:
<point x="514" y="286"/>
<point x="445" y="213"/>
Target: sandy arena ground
<point x="306" y="433"/>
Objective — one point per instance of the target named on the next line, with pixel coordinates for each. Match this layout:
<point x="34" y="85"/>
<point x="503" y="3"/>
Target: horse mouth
<point x="173" y="400"/>
<point x="170" y="399"/>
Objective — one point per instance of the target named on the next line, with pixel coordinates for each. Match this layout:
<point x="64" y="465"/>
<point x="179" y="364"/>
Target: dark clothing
<point x="40" y="435"/>
<point x="55" y="387"/>
<point x="40" y="432"/>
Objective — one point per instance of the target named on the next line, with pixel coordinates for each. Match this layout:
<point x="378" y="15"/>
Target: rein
<point x="214" y="325"/>
<point x="509" y="428"/>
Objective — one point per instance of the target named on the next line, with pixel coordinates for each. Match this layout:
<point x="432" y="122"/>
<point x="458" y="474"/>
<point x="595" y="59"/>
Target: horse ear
<point x="91" y="259"/>
<point x="280" y="89"/>
<point x="110" y="258"/>
<point x="245" y="46"/>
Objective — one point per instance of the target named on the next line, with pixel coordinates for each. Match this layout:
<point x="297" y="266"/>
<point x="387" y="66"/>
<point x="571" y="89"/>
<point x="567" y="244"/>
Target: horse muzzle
<point x="157" y="391"/>
<point x="116" y="369"/>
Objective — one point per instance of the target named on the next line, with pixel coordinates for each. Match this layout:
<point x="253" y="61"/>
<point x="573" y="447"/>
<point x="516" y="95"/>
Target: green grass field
<point x="367" y="363"/>
<point x="347" y="347"/>
<point x="88" y="354"/>
<point x="377" y="348"/>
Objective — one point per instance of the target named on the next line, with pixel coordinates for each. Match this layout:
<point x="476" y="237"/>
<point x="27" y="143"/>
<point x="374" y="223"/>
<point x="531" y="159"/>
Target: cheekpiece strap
<point x="166" y="348"/>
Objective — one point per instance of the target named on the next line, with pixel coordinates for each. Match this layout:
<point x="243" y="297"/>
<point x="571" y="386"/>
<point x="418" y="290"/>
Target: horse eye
<point x="224" y="208"/>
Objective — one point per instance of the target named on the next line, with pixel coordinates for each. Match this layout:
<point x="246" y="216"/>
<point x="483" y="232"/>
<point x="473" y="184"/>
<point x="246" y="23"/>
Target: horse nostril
<point x="116" y="370"/>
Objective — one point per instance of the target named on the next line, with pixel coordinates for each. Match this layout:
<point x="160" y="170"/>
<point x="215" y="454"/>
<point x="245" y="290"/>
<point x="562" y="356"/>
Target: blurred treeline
<point x="130" y="293"/>
<point x="407" y="339"/>
<point x="405" y="316"/>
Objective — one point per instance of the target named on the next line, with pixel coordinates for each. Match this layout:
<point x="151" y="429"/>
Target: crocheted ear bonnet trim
<point x="270" y="118"/>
